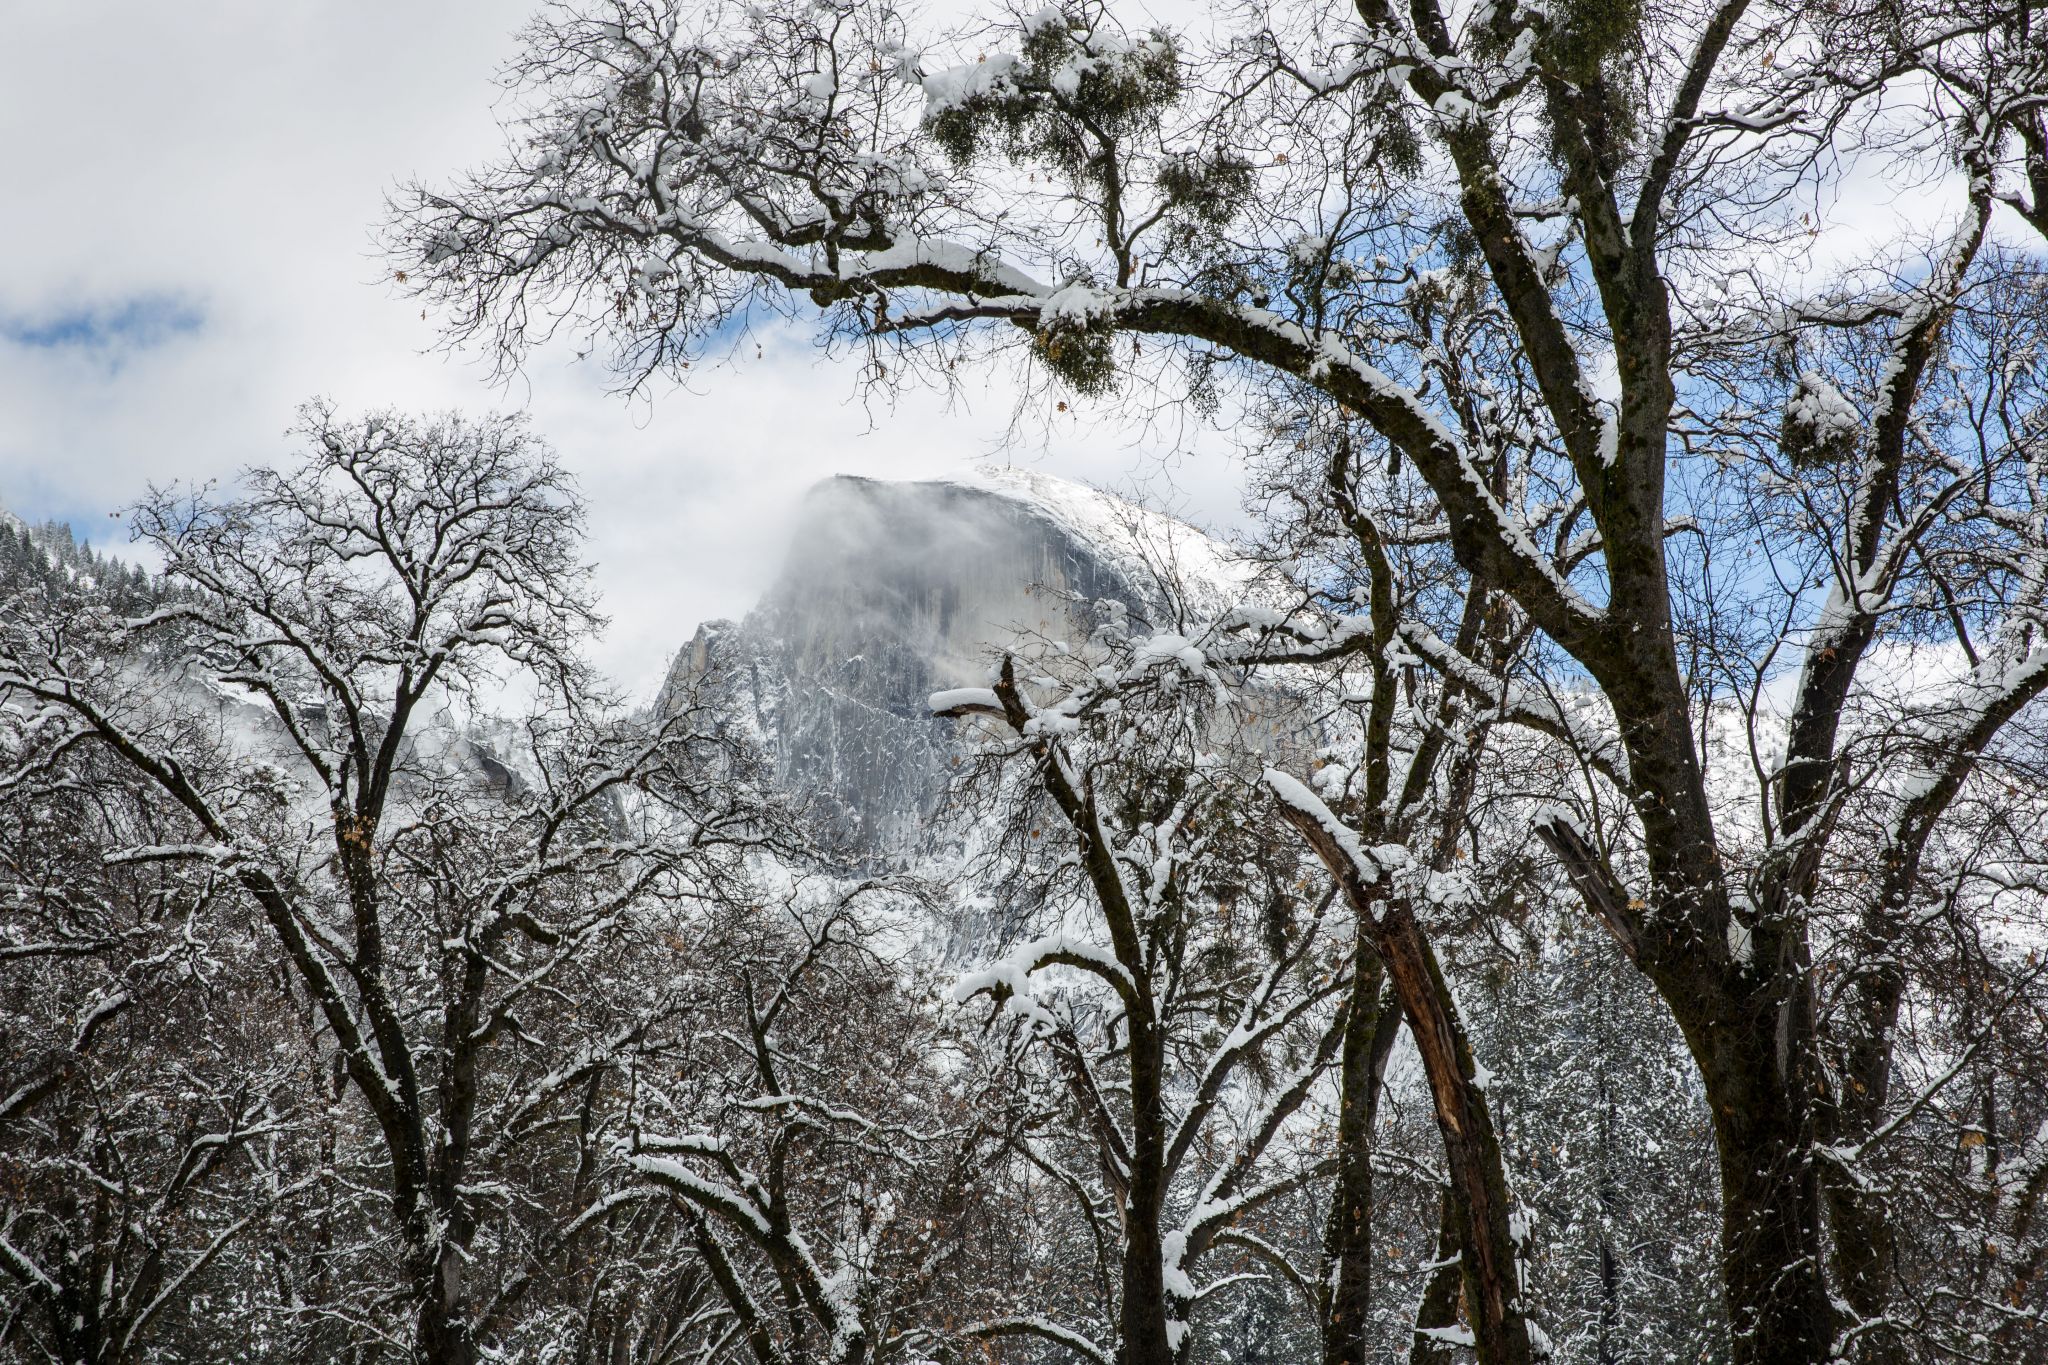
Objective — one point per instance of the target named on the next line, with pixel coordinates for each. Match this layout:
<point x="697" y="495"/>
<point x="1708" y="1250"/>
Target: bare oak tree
<point x="1587" y="213"/>
<point x="436" y="903"/>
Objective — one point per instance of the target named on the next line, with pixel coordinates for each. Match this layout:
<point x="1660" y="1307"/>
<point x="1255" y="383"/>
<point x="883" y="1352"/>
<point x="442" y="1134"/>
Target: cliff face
<point x="892" y="591"/>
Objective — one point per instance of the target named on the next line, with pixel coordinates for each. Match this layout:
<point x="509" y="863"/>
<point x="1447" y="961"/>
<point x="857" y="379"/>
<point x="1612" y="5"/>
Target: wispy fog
<point x="269" y="135"/>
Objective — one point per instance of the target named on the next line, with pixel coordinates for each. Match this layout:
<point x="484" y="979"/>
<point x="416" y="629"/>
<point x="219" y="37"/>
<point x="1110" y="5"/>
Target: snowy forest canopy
<point x="1569" y="886"/>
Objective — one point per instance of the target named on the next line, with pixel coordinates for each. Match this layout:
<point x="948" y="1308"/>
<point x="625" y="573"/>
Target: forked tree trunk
<point x="1747" y="1017"/>
<point x="1493" y="1297"/>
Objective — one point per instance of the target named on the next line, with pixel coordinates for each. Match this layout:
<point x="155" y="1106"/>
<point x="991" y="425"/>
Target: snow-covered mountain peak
<point x="1141" y="541"/>
<point x="894" y="590"/>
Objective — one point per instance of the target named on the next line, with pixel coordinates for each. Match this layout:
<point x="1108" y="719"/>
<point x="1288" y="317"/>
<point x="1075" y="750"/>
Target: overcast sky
<point x="190" y="193"/>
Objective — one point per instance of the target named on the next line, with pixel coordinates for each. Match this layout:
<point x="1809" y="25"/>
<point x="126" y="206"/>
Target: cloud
<point x="235" y="154"/>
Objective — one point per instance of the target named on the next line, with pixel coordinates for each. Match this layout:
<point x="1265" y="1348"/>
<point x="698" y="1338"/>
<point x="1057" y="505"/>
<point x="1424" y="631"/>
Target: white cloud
<point x="230" y="157"/>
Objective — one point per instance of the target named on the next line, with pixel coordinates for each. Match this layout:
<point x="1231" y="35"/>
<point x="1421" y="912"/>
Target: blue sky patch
<point x="133" y="324"/>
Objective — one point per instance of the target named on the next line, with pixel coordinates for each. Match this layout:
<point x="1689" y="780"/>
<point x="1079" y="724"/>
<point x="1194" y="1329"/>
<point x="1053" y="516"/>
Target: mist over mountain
<point x="892" y="591"/>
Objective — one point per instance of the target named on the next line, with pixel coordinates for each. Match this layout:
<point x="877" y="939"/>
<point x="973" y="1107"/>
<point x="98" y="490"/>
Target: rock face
<point x="895" y="590"/>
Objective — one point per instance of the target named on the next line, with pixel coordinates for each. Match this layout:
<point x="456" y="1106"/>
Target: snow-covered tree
<point x="825" y="1133"/>
<point x="433" y="898"/>
<point x="1177" y="990"/>
<point x="155" y="1100"/>
<point x="1545" y="261"/>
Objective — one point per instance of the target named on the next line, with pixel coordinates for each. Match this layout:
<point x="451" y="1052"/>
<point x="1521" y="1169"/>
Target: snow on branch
<point x="1045" y="1329"/>
<point x="720" y="1199"/>
<point x="1008" y="977"/>
<point x="1336" y="841"/>
<point x="1592" y="738"/>
<point x="965" y="701"/>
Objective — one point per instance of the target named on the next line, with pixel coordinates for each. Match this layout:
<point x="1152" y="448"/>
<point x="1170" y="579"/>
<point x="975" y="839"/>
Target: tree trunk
<point x="445" y="1337"/>
<point x="1143" y="1337"/>
<point x="1472" y="1152"/>
<point x="1778" y="1303"/>
<point x="1747" y="1015"/>
<point x="444" y="1334"/>
<point x="1142" y="1319"/>
<point x="1610" y="1302"/>
<point x="1865" y="1247"/>
<point x="1493" y="1296"/>
<point x="1369" y="1034"/>
<point x="1438" y="1310"/>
